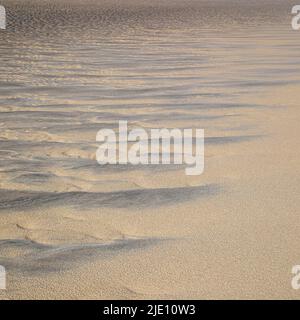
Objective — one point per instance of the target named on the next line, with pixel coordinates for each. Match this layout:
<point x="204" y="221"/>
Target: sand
<point x="72" y="229"/>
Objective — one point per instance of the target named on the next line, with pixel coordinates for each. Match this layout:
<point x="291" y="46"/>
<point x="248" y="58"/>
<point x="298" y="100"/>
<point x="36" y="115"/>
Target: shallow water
<point x="69" y="69"/>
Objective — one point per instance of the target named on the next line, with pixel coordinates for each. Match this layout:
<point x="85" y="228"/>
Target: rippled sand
<point x="70" y="228"/>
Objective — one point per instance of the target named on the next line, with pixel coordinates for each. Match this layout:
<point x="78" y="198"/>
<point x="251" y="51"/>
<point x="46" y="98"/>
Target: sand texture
<point x="70" y="228"/>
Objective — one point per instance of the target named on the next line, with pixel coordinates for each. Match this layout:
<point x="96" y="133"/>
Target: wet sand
<point x="70" y="228"/>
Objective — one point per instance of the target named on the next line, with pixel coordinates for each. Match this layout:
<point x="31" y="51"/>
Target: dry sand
<point x="72" y="229"/>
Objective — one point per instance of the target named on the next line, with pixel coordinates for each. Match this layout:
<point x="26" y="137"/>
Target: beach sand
<point x="72" y="229"/>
